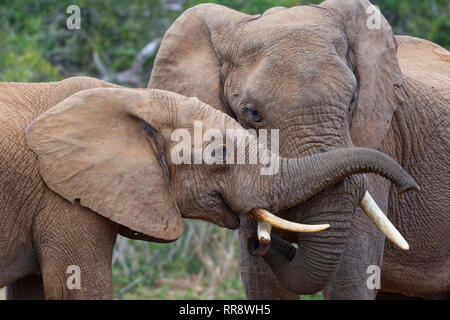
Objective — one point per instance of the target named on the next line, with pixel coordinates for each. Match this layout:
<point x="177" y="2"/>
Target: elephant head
<point x="326" y="76"/>
<point x="114" y="150"/>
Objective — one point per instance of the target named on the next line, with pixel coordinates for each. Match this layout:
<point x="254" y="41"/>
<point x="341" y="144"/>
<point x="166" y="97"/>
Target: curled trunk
<point x="301" y="178"/>
<point x="308" y="269"/>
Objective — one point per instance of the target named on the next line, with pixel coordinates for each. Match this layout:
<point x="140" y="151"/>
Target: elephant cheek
<point x="224" y="219"/>
<point x="215" y="211"/>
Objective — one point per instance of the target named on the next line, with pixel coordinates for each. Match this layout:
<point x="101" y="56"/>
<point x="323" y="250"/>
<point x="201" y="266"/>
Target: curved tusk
<point x="277" y="222"/>
<point x="377" y="216"/>
<point x="264" y="230"/>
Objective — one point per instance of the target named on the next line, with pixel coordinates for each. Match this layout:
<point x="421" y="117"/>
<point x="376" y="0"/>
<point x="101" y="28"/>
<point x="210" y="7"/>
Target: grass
<point x="201" y="265"/>
<point x="186" y="288"/>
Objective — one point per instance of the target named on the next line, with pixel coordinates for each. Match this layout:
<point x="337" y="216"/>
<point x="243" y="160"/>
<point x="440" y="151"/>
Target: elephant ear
<point x="101" y="146"/>
<point x="188" y="61"/>
<point x="373" y="49"/>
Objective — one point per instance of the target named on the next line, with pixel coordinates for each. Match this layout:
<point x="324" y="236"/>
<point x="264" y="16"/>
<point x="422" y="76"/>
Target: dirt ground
<point x="2" y="293"/>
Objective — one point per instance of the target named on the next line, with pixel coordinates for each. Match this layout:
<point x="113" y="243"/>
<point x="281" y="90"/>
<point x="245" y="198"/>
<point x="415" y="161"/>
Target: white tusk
<point x="264" y="230"/>
<point x="377" y="216"/>
<point x="277" y="222"/>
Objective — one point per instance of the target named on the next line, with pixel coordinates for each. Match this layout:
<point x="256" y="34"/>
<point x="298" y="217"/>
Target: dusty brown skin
<point x="34" y="221"/>
<point x="72" y="159"/>
<point x="326" y="81"/>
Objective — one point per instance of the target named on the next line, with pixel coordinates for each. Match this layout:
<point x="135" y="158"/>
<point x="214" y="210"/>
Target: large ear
<point x="373" y="49"/>
<point x="188" y="61"/>
<point x="101" y="146"/>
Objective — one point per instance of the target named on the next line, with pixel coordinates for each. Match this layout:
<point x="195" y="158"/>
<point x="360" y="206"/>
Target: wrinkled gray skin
<point x="326" y="80"/>
<point x="79" y="166"/>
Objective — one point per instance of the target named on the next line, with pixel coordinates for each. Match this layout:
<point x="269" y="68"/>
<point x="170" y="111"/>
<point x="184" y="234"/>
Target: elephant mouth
<point x="229" y="219"/>
<point x="335" y="205"/>
<point x="265" y="222"/>
<point x="319" y="208"/>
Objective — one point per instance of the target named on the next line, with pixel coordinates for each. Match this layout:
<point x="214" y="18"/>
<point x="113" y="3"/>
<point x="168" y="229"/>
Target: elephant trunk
<point x="298" y="179"/>
<point x="308" y="269"/>
<point x="301" y="178"/>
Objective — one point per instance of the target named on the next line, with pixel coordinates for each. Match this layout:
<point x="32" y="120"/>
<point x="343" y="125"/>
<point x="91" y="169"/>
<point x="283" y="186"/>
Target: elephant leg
<point x="76" y="278"/>
<point x="75" y="253"/>
<point x="359" y="272"/>
<point x="26" y="288"/>
<point x="361" y="259"/>
<point x="259" y="281"/>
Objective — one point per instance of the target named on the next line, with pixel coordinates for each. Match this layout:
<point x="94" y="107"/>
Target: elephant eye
<point x="254" y="114"/>
<point x="351" y="106"/>
<point x="224" y="153"/>
<point x="221" y="153"/>
<point x="149" y="129"/>
<point x="352" y="103"/>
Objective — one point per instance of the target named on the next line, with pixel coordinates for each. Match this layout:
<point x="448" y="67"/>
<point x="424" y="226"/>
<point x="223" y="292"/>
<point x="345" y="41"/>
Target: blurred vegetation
<point x="202" y="264"/>
<point x="35" y="45"/>
<point x="428" y="19"/>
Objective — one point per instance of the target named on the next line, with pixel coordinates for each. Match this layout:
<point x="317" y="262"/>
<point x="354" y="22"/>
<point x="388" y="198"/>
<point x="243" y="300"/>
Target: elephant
<point x="84" y="160"/>
<point x="330" y="76"/>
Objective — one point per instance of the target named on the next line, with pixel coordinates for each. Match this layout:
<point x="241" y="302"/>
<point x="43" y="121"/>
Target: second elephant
<point x="327" y="80"/>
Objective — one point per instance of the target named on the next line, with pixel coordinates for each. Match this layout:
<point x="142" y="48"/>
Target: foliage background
<point x="117" y="42"/>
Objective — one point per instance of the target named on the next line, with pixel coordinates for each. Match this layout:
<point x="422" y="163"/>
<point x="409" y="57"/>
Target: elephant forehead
<point x="295" y="16"/>
<point x="290" y="24"/>
<point x="282" y="42"/>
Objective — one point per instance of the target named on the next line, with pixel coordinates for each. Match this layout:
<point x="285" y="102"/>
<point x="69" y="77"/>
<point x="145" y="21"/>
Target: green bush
<point x="440" y="31"/>
<point x="249" y="6"/>
<point x="21" y="57"/>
